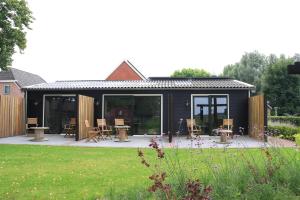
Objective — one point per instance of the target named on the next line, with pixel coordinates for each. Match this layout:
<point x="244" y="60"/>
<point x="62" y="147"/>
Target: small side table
<point x="224" y="134"/>
<point x="39" y="134"/>
<point x="122" y="133"/>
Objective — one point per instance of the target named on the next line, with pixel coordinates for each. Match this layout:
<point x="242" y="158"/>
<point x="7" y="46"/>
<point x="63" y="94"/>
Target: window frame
<point x="9" y="90"/>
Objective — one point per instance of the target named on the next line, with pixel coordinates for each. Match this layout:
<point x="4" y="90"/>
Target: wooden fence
<point x="256" y="116"/>
<point x="85" y="112"/>
<point x="12" y="120"/>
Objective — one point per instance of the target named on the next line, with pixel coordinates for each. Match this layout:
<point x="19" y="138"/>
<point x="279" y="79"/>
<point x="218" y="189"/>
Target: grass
<point x="45" y="172"/>
<point x="49" y="172"/>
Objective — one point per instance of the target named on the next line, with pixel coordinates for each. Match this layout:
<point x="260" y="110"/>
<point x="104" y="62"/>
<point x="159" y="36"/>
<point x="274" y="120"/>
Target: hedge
<point x="285" y="119"/>
<point x="297" y="139"/>
<point x="284" y="132"/>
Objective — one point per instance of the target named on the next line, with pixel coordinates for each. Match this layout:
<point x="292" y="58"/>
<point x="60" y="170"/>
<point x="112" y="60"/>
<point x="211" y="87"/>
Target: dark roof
<point x="23" y="78"/>
<point x="209" y="83"/>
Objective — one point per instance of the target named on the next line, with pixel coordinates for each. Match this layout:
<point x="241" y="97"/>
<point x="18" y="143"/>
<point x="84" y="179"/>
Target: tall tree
<point x="232" y="70"/>
<point x="15" y="18"/>
<point x="249" y="69"/>
<point x="280" y="88"/>
<point x="190" y="73"/>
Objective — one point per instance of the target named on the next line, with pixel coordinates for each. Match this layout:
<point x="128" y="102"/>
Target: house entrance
<point x="58" y="111"/>
<point x="209" y="111"/>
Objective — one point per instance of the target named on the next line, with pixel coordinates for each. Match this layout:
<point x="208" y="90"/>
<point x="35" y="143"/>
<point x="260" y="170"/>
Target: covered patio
<point x="142" y="142"/>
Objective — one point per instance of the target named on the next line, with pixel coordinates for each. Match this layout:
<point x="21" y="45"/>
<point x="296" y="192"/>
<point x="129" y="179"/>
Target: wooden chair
<point x="119" y="122"/>
<point x="93" y="132"/>
<point x="104" y="129"/>
<point x="31" y="122"/>
<point x="193" y="129"/>
<point x="228" y="124"/>
<point x="70" y="128"/>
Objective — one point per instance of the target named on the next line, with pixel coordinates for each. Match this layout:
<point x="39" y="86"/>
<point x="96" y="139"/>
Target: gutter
<point x="72" y="89"/>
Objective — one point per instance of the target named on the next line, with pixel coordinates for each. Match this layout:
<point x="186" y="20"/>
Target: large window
<point x="209" y="111"/>
<point x="141" y="113"/>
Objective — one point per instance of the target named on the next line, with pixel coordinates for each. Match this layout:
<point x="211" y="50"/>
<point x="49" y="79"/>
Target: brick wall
<point x="123" y="72"/>
<point x="14" y="89"/>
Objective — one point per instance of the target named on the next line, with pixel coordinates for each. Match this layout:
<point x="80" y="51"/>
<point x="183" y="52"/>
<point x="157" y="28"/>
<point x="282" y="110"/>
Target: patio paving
<point x="141" y="141"/>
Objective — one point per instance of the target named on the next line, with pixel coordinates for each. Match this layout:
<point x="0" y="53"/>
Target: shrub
<point x="284" y="132"/>
<point x="190" y="189"/>
<point x="285" y="119"/>
<point x="268" y="173"/>
<point x="297" y="139"/>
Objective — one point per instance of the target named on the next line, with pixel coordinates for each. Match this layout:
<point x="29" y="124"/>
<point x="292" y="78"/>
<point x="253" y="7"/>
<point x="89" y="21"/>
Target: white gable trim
<point x="8" y="81"/>
<point x="135" y="70"/>
<point x="11" y="81"/>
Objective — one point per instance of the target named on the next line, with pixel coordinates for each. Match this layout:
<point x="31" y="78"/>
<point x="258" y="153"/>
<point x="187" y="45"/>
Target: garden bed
<point x="279" y="142"/>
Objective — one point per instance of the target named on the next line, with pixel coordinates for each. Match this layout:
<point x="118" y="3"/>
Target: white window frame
<point x="201" y="95"/>
<point x="143" y="95"/>
<point x="9" y="86"/>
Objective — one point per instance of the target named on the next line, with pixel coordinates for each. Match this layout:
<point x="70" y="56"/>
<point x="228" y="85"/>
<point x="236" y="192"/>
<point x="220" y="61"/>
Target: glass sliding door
<point x="209" y="111"/>
<point x="58" y="111"/>
<point x="142" y="113"/>
<point x="202" y="112"/>
<point x="218" y="110"/>
<point x="118" y="107"/>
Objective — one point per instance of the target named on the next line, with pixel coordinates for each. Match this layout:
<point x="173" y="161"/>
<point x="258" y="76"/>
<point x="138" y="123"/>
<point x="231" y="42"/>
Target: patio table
<point x="122" y="133"/>
<point x="224" y="133"/>
<point x="39" y="134"/>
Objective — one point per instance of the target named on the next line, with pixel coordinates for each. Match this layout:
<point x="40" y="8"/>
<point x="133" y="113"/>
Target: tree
<point x="190" y="73"/>
<point x="280" y="88"/>
<point x="231" y="70"/>
<point x="15" y="18"/>
<point x="249" y="69"/>
<point x="296" y="57"/>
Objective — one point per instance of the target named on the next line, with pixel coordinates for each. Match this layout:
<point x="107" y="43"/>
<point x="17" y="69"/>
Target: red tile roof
<point x="125" y="71"/>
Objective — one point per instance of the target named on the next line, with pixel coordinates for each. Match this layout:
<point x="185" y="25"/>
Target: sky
<point x="87" y="40"/>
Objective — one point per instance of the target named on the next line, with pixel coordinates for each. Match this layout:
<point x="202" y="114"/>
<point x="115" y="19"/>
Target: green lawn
<point x="49" y="172"/>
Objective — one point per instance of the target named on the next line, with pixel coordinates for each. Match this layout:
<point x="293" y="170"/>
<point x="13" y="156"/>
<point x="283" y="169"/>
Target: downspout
<point x="170" y="116"/>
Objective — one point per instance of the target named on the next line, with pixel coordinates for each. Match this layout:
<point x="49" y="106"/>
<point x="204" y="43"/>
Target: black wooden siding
<point x="238" y="104"/>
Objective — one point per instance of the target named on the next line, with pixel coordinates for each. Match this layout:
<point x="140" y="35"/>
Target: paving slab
<point x="142" y="142"/>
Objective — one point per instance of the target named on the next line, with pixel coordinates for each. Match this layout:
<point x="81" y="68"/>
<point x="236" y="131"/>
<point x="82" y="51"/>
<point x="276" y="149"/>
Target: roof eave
<point x="156" y="88"/>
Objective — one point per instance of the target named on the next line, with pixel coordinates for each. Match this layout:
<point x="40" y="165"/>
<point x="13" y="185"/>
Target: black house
<point x="151" y="106"/>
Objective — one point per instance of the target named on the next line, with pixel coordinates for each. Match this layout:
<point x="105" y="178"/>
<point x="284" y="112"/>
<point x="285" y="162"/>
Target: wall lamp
<point x="187" y="103"/>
